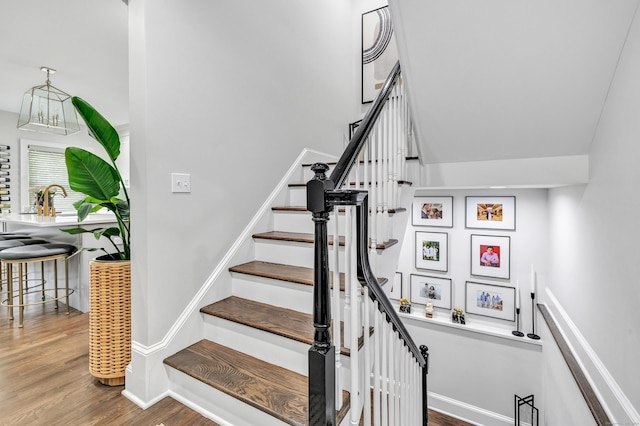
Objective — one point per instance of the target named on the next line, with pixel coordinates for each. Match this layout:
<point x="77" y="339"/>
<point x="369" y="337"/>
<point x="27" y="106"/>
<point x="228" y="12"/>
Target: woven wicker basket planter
<point x="109" y="320"/>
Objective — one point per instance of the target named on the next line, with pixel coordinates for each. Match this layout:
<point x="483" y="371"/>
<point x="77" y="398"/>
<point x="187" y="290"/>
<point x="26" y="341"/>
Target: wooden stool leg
<point x="10" y="289"/>
<point x="66" y="281"/>
<point x="20" y="298"/>
<point x="42" y="278"/>
<point x="55" y="280"/>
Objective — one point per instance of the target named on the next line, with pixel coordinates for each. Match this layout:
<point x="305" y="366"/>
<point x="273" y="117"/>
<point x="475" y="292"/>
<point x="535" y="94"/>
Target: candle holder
<point x="517" y="331"/>
<point x="533" y="334"/>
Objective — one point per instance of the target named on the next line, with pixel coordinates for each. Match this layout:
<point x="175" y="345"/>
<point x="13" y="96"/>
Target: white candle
<point x="533" y="280"/>
<point x="517" y="294"/>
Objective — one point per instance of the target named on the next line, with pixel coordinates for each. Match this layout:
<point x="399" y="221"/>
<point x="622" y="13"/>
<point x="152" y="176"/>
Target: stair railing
<point x="388" y="372"/>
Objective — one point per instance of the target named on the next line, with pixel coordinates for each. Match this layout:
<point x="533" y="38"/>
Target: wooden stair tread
<point x="333" y="163"/>
<point x="283" y="322"/>
<point x="301" y="184"/>
<point x="275" y="390"/>
<point x="340" y="209"/>
<point x="303" y="237"/>
<point x="282" y="272"/>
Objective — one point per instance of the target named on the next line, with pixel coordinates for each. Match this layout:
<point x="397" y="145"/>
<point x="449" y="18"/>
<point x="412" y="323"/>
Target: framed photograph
<point x="490" y="300"/>
<point x="491" y="213"/>
<point x="490" y="256"/>
<point x="437" y="289"/>
<point x="379" y="52"/>
<point x="432" y="211"/>
<point x="432" y="251"/>
<point x="395" y="290"/>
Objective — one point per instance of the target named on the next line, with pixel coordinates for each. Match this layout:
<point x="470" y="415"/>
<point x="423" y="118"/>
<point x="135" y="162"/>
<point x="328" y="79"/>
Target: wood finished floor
<point x="45" y="380"/>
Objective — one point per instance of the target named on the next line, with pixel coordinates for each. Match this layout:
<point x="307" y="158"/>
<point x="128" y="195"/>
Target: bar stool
<point x="23" y="255"/>
<point x="17" y="242"/>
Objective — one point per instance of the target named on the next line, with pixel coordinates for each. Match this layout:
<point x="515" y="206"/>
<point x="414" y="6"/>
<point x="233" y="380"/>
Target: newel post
<point x="424" y="351"/>
<point x="322" y="410"/>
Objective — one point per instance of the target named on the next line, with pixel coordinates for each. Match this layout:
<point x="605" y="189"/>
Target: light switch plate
<point x="180" y="182"/>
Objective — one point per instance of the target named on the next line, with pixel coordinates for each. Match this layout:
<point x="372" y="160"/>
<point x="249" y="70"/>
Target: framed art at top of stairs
<point x="379" y="52"/>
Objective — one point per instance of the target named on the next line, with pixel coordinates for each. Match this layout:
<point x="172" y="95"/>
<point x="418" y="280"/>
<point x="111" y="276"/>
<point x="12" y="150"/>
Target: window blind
<point x="47" y="166"/>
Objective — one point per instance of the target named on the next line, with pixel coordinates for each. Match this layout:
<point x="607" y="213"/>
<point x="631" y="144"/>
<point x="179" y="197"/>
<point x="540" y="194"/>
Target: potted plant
<point x="110" y="274"/>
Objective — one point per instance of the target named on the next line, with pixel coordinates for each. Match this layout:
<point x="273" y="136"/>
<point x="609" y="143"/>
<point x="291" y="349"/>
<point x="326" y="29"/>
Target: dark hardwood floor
<point x="45" y="380"/>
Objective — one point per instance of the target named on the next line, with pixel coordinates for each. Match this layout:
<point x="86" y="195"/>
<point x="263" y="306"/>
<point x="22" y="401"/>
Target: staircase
<point x="301" y="330"/>
<point x="255" y="342"/>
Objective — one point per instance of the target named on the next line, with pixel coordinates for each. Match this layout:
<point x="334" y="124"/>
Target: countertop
<point x="32" y="219"/>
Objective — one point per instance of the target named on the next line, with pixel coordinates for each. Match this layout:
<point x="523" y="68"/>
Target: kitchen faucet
<point x="50" y="210"/>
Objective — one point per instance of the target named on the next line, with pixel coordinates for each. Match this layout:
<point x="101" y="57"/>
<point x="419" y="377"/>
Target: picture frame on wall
<point x="432" y="251"/>
<point x="490" y="300"/>
<point x="490" y="213"/>
<point x="491" y="256"/>
<point x="395" y="291"/>
<point x="432" y="211"/>
<point x="379" y="52"/>
<point x="436" y="289"/>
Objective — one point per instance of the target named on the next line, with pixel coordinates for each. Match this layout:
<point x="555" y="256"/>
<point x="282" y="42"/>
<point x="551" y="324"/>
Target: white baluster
<point x="373" y="192"/>
<point x="337" y="318"/>
<point x="392" y="343"/>
<point x="355" y="328"/>
<point x="347" y="277"/>
<point x="376" y="363"/>
<point x="367" y="357"/>
<point x="384" y="376"/>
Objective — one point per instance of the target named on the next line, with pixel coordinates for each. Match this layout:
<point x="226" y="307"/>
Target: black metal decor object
<point x="533" y="334"/>
<point x="322" y="409"/>
<point x="527" y="401"/>
<point x="517" y="331"/>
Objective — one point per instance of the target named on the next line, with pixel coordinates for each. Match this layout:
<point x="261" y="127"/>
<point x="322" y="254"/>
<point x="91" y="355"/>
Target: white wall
<point x="476" y="369"/>
<point x="229" y="92"/>
<point x="594" y="248"/>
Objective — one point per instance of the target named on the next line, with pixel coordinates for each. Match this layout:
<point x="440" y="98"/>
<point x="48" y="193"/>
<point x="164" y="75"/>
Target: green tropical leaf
<point x="99" y="128"/>
<point x="91" y="175"/>
<point x="76" y="231"/>
<point x="107" y="232"/>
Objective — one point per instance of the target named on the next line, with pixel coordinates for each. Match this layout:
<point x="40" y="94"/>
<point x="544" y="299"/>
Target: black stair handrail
<point x="322" y="195"/>
<point x="365" y="274"/>
<point x="351" y="152"/>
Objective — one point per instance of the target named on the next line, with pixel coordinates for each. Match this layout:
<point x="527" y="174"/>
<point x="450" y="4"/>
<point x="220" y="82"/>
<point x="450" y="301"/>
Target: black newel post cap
<point x="316" y="188"/>
<point x="424" y="350"/>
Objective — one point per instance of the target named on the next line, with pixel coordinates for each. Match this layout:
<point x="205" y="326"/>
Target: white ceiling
<point x="503" y="79"/>
<point x="84" y="40"/>
<point x="489" y="80"/>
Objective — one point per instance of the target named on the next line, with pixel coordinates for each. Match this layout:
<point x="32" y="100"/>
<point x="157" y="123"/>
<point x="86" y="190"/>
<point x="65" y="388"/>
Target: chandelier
<point x="48" y="109"/>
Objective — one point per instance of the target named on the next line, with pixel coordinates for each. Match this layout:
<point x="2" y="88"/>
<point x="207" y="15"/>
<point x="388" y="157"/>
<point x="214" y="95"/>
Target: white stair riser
<point x="279" y="293"/>
<point x="293" y="221"/>
<point x="269" y="347"/>
<point x="205" y="398"/>
<point x="297" y="195"/>
<point x="290" y="253"/>
<point x="284" y="294"/>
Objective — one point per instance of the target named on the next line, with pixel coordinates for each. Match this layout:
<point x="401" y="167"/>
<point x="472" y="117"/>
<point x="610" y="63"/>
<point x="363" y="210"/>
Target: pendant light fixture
<point x="48" y="110"/>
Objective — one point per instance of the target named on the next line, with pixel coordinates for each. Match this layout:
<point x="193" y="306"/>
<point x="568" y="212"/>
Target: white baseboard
<point x="615" y="402"/>
<point x="466" y="412"/>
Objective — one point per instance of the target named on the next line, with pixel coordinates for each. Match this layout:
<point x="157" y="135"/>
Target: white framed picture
<point x="436" y="289"/>
<point x="491" y="213"/>
<point x="432" y="251"/>
<point x="490" y="256"/>
<point x="432" y="211"/>
<point x="490" y="300"/>
<point x="395" y="290"/>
